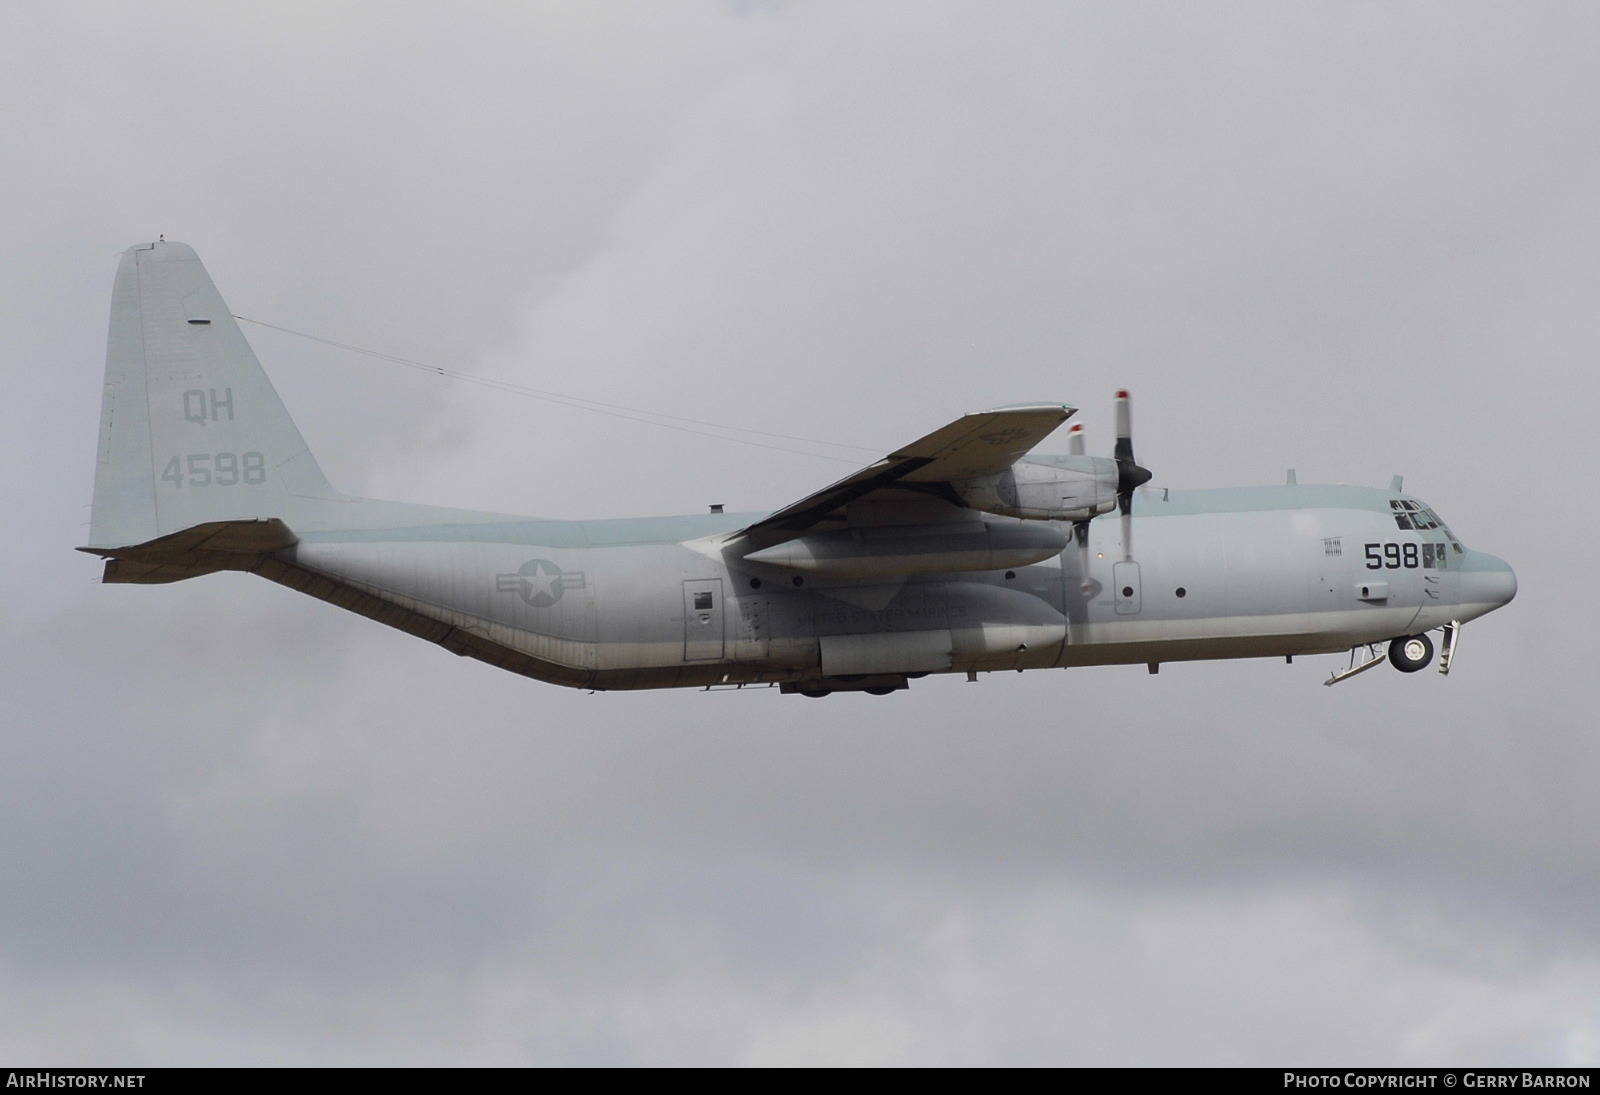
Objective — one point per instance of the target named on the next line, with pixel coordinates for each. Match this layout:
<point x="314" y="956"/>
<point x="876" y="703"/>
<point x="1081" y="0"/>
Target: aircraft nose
<point x="1487" y="583"/>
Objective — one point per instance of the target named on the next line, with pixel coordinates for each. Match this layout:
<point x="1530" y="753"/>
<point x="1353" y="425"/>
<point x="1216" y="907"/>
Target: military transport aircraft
<point x="962" y="552"/>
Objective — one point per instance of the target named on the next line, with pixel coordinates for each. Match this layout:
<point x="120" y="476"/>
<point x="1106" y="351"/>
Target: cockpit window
<point x="1412" y="515"/>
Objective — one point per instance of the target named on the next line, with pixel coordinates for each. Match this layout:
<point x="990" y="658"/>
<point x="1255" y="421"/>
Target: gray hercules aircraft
<point x="962" y="552"/>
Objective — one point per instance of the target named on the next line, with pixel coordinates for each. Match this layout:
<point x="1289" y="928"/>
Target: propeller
<point x="1129" y="473"/>
<point x="1130" y="476"/>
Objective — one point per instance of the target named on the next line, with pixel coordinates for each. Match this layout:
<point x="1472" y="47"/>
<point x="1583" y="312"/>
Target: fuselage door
<point x="1125" y="581"/>
<point x="702" y="620"/>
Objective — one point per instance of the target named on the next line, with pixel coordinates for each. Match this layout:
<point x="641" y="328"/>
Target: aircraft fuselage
<point x="651" y="603"/>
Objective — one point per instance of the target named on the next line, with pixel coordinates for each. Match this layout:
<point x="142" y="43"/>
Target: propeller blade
<point x="1080" y="533"/>
<point x="1075" y="439"/>
<point x="1129" y="474"/>
<point x="1124" y="450"/>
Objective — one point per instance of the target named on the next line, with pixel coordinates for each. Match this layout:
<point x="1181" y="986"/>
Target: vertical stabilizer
<point x="191" y="430"/>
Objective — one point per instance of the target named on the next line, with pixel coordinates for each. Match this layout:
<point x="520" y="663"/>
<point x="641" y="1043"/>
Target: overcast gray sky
<point x="237" y="826"/>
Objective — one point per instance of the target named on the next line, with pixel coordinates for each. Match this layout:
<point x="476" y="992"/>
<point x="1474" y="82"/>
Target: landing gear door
<point x="703" y="620"/>
<point x="1125" y="583"/>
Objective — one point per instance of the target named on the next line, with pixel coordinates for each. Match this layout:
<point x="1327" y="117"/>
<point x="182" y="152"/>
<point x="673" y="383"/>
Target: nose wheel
<point x="1408" y="654"/>
<point x="1411" y="653"/>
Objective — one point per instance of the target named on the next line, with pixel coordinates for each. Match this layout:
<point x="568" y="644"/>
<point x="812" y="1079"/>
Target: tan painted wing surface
<point x="974" y="445"/>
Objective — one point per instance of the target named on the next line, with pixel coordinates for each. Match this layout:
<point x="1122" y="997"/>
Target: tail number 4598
<point x="216" y="469"/>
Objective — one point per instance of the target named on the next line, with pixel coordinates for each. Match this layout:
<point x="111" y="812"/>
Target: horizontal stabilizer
<point x="203" y="549"/>
<point x="127" y="572"/>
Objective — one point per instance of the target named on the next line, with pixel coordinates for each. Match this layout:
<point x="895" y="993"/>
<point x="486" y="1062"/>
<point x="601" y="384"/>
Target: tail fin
<point x="191" y="430"/>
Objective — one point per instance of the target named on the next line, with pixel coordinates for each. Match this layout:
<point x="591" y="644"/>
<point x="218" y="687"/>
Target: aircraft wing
<point x="974" y="445"/>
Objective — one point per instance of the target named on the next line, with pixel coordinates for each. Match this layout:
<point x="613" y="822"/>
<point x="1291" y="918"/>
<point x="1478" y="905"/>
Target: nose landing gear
<point x="1410" y="653"/>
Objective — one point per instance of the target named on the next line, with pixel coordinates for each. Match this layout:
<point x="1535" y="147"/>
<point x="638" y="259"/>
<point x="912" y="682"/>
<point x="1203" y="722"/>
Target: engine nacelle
<point x="893" y="550"/>
<point x="1046" y="488"/>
